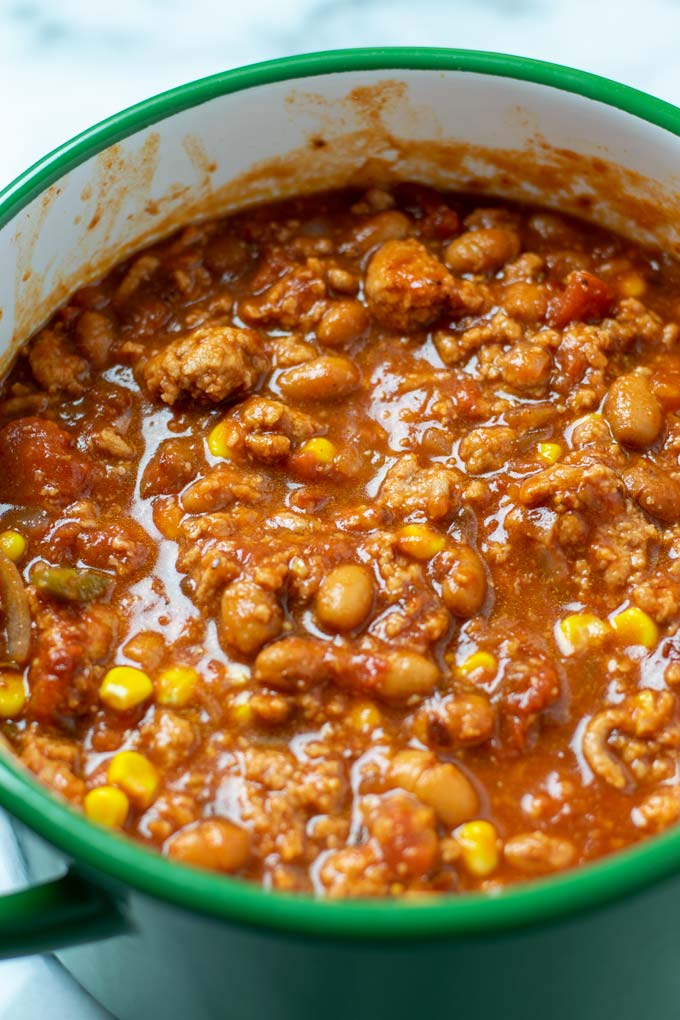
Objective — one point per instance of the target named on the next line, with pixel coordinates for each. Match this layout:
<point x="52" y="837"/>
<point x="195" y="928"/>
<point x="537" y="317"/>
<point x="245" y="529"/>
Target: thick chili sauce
<point x="340" y="545"/>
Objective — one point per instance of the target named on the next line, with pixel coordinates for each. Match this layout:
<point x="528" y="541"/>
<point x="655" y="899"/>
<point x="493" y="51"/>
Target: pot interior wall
<point x="452" y="129"/>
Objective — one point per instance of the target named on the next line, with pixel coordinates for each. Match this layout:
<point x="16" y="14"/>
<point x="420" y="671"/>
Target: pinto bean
<point x="343" y="323"/>
<point x="249" y="615"/>
<point x="221" y="486"/>
<point x="665" y="383"/>
<point x="216" y="844"/>
<point x="293" y="663"/>
<point x="525" y="300"/>
<point x="657" y="492"/>
<point x="342" y="280"/>
<point x="388" y="225"/>
<point x="440" y="785"/>
<point x="330" y="377"/>
<point x="526" y="367"/>
<point x="345" y="597"/>
<point x="482" y="251"/>
<point x="408" y="675"/>
<point x="449" y="793"/>
<point x="464" y="587"/>
<point x="633" y="411"/>
<point x="459" y="720"/>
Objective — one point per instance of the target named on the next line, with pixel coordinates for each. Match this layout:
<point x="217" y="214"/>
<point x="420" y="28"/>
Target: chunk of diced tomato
<point x="585" y="298"/>
<point x="41" y="466"/>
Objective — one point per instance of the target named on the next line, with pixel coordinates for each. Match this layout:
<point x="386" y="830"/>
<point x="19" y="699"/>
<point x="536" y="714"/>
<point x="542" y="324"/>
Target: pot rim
<point x="121" y="859"/>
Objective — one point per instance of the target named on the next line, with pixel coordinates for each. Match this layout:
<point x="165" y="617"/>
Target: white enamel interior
<point x="139" y="187"/>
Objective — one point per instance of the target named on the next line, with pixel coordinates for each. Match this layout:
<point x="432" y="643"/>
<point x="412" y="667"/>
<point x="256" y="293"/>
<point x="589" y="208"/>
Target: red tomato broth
<point x="348" y="462"/>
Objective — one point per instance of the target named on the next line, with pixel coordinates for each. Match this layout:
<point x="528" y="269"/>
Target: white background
<point x="65" y="64"/>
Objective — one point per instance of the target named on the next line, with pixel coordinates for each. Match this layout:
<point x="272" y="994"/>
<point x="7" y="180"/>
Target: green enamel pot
<point x="151" y="938"/>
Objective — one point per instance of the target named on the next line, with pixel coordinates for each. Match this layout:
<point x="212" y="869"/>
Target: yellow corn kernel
<point x="12" y="694"/>
<point x="631" y="285"/>
<point x="218" y="440"/>
<point x="419" y="541"/>
<point x="107" y="805"/>
<point x="483" y="663"/>
<point x="634" y="627"/>
<point x="549" y="452"/>
<point x="13" y="544"/>
<point x="365" y="717"/>
<point x="175" y="686"/>
<point x="124" y="687"/>
<point x="242" y="714"/>
<point x="322" y="450"/>
<point x="134" y="774"/>
<point x="579" y="631"/>
<point x="478" y="841"/>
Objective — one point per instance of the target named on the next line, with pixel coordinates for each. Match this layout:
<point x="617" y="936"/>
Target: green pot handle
<point x="65" y="912"/>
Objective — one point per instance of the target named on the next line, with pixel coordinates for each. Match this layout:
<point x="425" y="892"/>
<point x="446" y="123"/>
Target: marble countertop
<point x="65" y="66"/>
